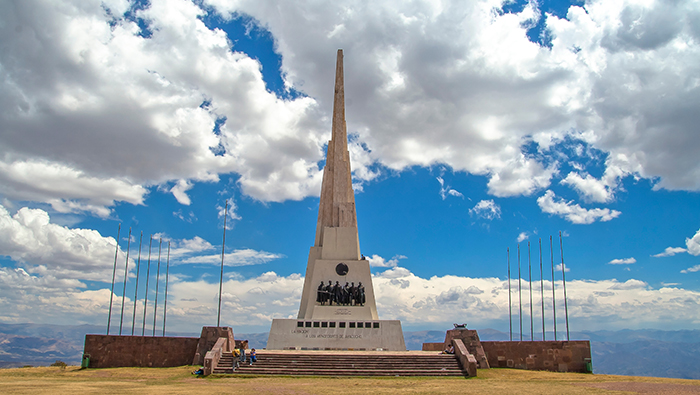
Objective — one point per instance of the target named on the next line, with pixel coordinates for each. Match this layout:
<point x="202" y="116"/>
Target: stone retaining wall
<point x="556" y="356"/>
<point x="111" y="351"/>
<point x="433" y="346"/>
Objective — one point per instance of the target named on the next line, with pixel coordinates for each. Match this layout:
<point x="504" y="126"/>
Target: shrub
<point x="59" y="363"/>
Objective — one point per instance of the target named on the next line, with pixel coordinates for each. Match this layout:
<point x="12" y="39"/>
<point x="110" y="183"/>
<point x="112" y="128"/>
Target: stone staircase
<point x="225" y="365"/>
<point x="344" y="364"/>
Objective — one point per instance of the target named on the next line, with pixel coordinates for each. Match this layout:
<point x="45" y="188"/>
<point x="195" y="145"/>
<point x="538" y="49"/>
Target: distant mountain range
<point x="625" y="352"/>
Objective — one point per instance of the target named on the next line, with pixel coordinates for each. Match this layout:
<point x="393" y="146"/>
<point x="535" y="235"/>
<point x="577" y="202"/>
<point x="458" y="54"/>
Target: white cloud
<point x="573" y="212"/>
<point x="179" y="191"/>
<point x="400" y="295"/>
<point x="557" y="268"/>
<point x="630" y="284"/>
<point x="600" y="77"/>
<point x="625" y="261"/>
<point x="693" y="244"/>
<point x="670" y="251"/>
<point x="486" y="209"/>
<point x="242" y="257"/>
<point x="692" y="269"/>
<point x="98" y="113"/>
<point x="109" y="113"/>
<point x="56" y="251"/>
<point x="232" y="214"/>
<point x="66" y="189"/>
<point x="589" y="187"/>
<point x="446" y="190"/>
<point x="378" y="261"/>
<point x="605" y="302"/>
<point x="523" y="236"/>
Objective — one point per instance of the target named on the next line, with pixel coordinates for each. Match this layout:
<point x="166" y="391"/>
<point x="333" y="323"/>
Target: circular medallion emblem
<point x="341" y="269"/>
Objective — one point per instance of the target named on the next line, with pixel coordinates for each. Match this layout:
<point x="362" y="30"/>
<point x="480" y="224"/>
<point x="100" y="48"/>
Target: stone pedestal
<point x="336" y="334"/>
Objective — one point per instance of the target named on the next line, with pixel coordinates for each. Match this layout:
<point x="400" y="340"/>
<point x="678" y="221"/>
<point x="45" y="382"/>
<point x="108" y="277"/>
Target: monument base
<point x="294" y="334"/>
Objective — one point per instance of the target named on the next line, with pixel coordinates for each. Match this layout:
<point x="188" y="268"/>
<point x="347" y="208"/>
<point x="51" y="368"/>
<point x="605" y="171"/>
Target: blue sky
<point x="472" y="127"/>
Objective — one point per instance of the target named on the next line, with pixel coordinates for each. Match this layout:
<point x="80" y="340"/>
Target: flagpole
<point x="542" y="291"/>
<point x="136" y="292"/>
<point x="563" y="277"/>
<point x="155" y="303"/>
<point x="148" y="276"/>
<point x="510" y="311"/>
<point x="114" y="273"/>
<point x="520" y="295"/>
<point x="126" y="273"/>
<point x="167" y="271"/>
<point x="554" y="298"/>
<point x="529" y="269"/>
<point x="221" y="279"/>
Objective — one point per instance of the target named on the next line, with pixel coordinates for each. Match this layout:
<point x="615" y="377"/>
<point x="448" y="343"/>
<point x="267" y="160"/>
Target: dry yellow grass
<point x="52" y="380"/>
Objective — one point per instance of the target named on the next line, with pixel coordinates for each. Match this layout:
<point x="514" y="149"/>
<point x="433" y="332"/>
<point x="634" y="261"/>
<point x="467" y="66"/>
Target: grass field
<point x="54" y="380"/>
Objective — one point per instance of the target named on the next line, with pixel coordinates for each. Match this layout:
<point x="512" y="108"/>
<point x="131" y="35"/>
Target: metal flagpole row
<point x="126" y="273"/>
<point x="510" y="311"/>
<point x="136" y="291"/>
<point x="145" y="299"/>
<point x="114" y="272"/>
<point x="554" y="300"/>
<point x="221" y="279"/>
<point x="165" y="307"/>
<point x="155" y="303"/>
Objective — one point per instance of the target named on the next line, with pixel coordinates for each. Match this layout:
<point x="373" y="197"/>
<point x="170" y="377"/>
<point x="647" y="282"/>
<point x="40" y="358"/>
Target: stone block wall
<point x="433" y="346"/>
<point x="111" y="351"/>
<point x="556" y="356"/>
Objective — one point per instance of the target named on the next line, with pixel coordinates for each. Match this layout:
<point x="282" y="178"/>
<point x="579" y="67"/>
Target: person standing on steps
<point x="242" y="357"/>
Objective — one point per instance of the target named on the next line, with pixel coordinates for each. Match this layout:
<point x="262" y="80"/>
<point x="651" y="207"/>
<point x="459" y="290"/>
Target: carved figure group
<point x="348" y="295"/>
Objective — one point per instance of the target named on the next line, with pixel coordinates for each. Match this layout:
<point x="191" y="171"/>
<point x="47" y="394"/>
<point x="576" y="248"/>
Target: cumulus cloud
<point x="96" y="112"/>
<point x="486" y="209"/>
<point x="73" y="254"/>
<point x="523" y="236"/>
<point x="589" y="187"/>
<point x="378" y="261"/>
<point x="602" y="75"/>
<point x="670" y="251"/>
<point x="573" y="212"/>
<point x="693" y="244"/>
<point x="57" y="251"/>
<point x="400" y="295"/>
<point x="625" y="261"/>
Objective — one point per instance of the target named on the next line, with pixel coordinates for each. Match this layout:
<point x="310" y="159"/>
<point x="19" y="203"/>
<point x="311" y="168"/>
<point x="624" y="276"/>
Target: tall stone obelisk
<point x="335" y="259"/>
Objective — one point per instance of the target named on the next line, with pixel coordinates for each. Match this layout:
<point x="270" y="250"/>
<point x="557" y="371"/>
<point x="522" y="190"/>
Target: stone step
<point x="345" y="372"/>
<point x="342" y="364"/>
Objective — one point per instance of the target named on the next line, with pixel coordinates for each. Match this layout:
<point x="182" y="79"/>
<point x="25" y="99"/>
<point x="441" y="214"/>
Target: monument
<point x="337" y="309"/>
